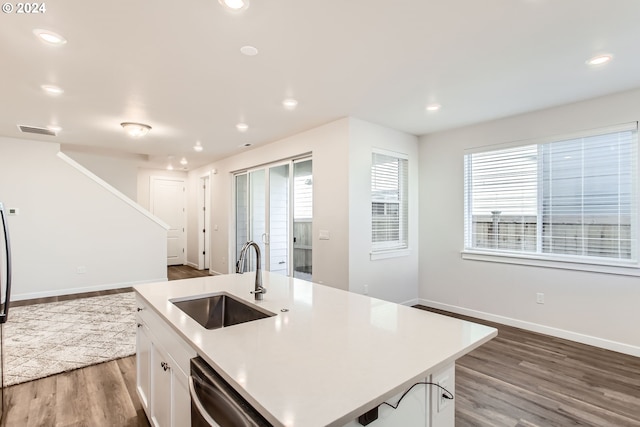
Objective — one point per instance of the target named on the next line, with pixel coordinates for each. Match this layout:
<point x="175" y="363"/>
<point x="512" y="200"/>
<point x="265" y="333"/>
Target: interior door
<point x="168" y="204"/>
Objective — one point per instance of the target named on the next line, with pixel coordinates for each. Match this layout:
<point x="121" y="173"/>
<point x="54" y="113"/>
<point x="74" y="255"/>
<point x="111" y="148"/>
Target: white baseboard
<point x="70" y="291"/>
<point x="534" y="327"/>
<point x="411" y="302"/>
<point x="215" y="273"/>
<point x="193" y="265"/>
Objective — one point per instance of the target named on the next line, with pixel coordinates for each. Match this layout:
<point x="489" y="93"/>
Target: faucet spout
<point x="259" y="290"/>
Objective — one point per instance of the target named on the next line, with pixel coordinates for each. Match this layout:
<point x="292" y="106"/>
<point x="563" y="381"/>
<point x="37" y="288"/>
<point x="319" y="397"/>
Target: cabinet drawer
<point x="164" y="336"/>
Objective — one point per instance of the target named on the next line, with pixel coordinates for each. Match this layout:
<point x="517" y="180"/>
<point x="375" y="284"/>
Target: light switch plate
<point x="324" y="235"/>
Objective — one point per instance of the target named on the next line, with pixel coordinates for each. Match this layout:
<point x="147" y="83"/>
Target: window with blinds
<point x="389" y="213"/>
<point x="573" y="197"/>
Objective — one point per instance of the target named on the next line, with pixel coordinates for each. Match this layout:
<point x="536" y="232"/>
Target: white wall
<point x="69" y="221"/>
<point x="341" y="153"/>
<point x="329" y="144"/>
<point x="392" y="279"/>
<point x="595" y="308"/>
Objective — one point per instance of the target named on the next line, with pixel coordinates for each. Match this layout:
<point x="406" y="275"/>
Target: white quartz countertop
<point x="331" y="357"/>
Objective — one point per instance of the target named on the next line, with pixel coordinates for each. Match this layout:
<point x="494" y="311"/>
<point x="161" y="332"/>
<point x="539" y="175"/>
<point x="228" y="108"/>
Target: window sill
<point x="626" y="269"/>
<point x="394" y="253"/>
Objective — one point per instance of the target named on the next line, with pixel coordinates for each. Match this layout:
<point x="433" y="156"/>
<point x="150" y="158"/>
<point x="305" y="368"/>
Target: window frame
<point x="551" y="260"/>
<point x="400" y="247"/>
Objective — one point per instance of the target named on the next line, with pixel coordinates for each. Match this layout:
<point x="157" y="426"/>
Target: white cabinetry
<point x="162" y="370"/>
<point x="423" y="406"/>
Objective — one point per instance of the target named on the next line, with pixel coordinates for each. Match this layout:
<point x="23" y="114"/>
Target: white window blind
<point x="573" y="197"/>
<point x="389" y="213"/>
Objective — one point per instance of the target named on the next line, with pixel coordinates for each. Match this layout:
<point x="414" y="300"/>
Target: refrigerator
<point x="5" y="294"/>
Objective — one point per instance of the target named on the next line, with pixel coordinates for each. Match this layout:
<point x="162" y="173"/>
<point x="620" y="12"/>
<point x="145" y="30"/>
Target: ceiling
<point x="177" y="67"/>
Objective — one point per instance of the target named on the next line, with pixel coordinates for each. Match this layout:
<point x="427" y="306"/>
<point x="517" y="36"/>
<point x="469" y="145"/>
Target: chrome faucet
<point x="259" y="290"/>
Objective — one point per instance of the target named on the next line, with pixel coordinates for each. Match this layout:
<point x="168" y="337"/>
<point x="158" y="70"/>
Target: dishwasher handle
<point x="200" y="407"/>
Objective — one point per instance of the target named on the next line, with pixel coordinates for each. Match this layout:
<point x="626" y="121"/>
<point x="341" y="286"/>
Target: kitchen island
<point x="326" y="357"/>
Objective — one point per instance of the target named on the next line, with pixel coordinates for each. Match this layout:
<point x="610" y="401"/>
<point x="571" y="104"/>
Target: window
<point x="389" y="213"/>
<point x="568" y="199"/>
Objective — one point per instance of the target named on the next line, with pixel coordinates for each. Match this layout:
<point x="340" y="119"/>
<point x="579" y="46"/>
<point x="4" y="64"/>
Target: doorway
<point x="274" y="208"/>
<point x="167" y="202"/>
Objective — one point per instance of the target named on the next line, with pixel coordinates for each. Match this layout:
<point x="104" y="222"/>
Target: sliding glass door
<point x="302" y="219"/>
<point x="273" y="207"/>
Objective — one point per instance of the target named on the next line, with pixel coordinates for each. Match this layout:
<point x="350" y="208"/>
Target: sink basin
<point x="220" y="310"/>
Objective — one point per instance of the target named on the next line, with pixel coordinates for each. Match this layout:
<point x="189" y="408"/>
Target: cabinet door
<point x="160" y="389"/>
<point x="181" y="414"/>
<point x="143" y="364"/>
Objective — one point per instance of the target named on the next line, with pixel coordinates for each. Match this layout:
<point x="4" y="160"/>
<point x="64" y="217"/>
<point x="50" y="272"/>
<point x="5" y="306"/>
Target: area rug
<point x="50" y="338"/>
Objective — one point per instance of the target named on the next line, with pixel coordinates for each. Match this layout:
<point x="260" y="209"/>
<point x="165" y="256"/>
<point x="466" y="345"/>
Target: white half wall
<point x="72" y="234"/>
<point x="118" y="169"/>
<point x="391" y="279"/>
<point x="593" y="308"/>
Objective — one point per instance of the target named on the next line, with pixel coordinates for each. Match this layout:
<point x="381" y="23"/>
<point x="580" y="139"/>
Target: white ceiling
<point x="177" y="66"/>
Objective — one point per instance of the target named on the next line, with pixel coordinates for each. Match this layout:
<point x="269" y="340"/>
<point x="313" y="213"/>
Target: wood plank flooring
<point x="519" y="379"/>
<point x="522" y="378"/>
<point x="98" y="395"/>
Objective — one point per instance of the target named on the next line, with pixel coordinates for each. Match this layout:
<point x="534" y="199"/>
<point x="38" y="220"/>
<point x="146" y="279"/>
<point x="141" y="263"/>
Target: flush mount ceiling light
<point x="49" y="37"/>
<point x="242" y="127"/>
<point x="136" y="130"/>
<point x="290" y="103"/>
<point x="433" y="107"/>
<point x="52" y="90"/>
<point x="249" y="50"/>
<point x="54" y="128"/>
<point x="235" y="5"/>
<point x="600" y="59"/>
<point x="198" y="147"/>
<point x="184" y="161"/>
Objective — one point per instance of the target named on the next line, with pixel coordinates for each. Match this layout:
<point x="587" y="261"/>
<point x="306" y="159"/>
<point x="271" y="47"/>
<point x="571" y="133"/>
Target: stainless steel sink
<point x="220" y="310"/>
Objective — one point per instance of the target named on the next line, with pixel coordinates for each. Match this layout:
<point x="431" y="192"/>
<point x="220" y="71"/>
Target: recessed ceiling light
<point x="183" y="161"/>
<point x="49" y="37"/>
<point x="169" y="167"/>
<point x="433" y="107"/>
<point x="52" y="90"/>
<point x="198" y="147"/>
<point x="600" y="59"/>
<point x="245" y="145"/>
<point x="136" y="130"/>
<point x="235" y="5"/>
<point x="249" y="50"/>
<point x="290" y="103"/>
<point x="242" y="127"/>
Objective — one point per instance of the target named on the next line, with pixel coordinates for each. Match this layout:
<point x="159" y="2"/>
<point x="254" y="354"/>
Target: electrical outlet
<point x="443" y="402"/>
<point x="540" y="298"/>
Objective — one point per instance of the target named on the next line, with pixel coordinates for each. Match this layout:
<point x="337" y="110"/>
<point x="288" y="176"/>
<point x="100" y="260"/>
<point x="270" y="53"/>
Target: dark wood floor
<point x="178" y="272"/>
<point x="522" y="378"/>
<point x="518" y="379"/>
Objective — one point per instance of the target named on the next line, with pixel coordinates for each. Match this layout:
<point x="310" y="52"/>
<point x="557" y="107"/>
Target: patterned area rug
<point x="47" y="339"/>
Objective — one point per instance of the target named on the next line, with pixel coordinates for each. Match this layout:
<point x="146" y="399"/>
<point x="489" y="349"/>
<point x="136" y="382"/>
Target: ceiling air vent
<point x="34" y="129"/>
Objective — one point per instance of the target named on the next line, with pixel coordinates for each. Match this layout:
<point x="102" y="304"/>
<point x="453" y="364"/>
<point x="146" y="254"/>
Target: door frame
<point x="204" y="222"/>
<point x="232" y="230"/>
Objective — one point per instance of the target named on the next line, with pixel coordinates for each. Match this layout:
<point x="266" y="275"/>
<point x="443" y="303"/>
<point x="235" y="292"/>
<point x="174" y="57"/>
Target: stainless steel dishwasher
<point x="215" y="403"/>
